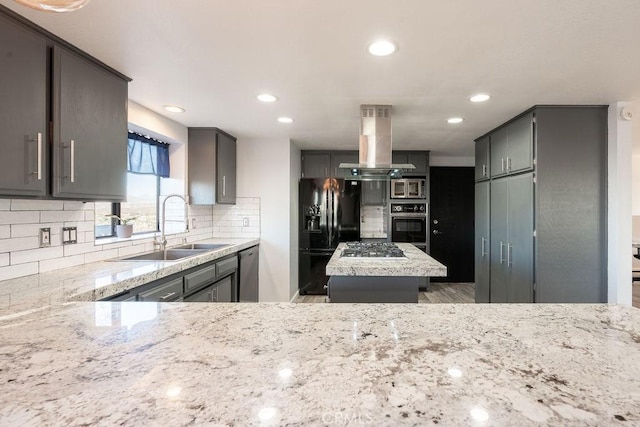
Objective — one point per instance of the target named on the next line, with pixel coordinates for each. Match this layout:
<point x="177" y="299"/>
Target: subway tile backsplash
<point x="21" y="220"/>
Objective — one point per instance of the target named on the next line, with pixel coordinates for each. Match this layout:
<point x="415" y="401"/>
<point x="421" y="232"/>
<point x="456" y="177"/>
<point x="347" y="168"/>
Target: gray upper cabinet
<point x="482" y="242"/>
<point x="512" y="147"/>
<point x="419" y="159"/>
<point x="212" y="167"/>
<point x="316" y="165"/>
<point x="23" y="115"/>
<point x="226" y="162"/>
<point x="90" y="130"/>
<point x="342" y="157"/>
<point x="482" y="159"/>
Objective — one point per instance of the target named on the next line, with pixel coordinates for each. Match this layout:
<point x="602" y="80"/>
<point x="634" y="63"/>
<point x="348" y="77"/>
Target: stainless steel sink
<point x="202" y="246"/>
<point x="166" y="255"/>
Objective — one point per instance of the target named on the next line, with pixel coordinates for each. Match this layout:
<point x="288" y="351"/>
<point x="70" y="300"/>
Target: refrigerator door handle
<point x="328" y="213"/>
<point x="334" y="215"/>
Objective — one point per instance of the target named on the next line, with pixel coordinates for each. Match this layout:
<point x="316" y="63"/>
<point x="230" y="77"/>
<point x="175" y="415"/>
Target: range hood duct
<point x="375" y="146"/>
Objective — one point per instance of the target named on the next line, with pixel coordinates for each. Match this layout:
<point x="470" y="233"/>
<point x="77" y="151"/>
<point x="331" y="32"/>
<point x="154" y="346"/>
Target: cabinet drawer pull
<point x="484" y="170"/>
<point x="483" y="253"/>
<point x="501" y="258"/>
<point x="38" y="141"/>
<point x="508" y="164"/>
<point x="502" y="164"/>
<point x="509" y="258"/>
<point x="224" y="185"/>
<point x="72" y="159"/>
<point x="169" y="295"/>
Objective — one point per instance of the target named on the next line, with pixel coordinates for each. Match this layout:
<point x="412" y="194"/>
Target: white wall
<point x="264" y="171"/>
<point x="619" y="206"/>
<point x="294" y="244"/>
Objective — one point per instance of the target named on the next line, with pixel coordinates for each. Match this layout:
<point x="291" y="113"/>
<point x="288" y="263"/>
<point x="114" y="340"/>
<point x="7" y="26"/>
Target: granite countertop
<point x="416" y="264"/>
<point x="95" y="281"/>
<point x="322" y="364"/>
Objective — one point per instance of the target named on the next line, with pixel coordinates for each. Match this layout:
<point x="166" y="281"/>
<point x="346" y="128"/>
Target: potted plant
<point x="124" y="229"/>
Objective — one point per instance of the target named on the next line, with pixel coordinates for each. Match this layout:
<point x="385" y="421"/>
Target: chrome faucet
<point x="163" y="241"/>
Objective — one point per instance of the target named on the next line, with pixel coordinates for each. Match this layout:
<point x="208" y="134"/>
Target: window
<point x="147" y="164"/>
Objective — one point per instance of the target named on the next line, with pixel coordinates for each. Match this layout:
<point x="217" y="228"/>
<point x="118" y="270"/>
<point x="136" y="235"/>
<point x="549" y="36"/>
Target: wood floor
<point x="439" y="293"/>
<point x="451" y="293"/>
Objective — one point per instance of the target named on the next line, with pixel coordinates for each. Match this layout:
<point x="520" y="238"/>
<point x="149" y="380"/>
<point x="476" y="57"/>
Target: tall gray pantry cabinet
<point x="540" y="233"/>
<point x="64" y="122"/>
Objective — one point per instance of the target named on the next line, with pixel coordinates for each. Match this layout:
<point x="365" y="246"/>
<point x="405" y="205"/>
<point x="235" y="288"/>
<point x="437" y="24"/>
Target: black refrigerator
<point x="329" y="214"/>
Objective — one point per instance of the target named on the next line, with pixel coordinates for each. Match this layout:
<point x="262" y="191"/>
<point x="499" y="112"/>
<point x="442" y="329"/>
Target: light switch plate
<point x="69" y="235"/>
<point x="245" y="221"/>
<point x="45" y="237"/>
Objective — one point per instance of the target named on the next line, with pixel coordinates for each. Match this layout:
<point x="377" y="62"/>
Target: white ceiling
<point x="214" y="57"/>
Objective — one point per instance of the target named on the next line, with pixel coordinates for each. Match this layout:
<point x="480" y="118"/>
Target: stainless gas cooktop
<point x="382" y="250"/>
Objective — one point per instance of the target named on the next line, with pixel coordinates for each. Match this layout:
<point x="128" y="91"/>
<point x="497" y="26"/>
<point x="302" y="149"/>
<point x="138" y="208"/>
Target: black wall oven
<point x="409" y="224"/>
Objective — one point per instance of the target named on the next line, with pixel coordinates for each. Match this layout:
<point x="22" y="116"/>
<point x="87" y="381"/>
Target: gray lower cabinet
<point x="212" y="167"/>
<point x="511" y="147"/>
<point x="248" y="289"/>
<point x="90" y="130"/>
<point x="483" y="164"/>
<point x="23" y="114"/>
<point x="166" y="292"/>
<point x="482" y="242"/>
<point x="511" y="238"/>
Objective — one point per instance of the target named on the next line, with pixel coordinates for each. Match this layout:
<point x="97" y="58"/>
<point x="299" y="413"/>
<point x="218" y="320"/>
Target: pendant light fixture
<point x="54" y="5"/>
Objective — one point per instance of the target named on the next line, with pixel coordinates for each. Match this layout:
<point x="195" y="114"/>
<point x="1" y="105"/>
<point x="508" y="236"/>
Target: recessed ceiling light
<point x="455" y="120"/>
<point x="285" y="119"/>
<point x="382" y="48"/>
<point x="173" y="108"/>
<point x="481" y="97"/>
<point x="266" y="97"/>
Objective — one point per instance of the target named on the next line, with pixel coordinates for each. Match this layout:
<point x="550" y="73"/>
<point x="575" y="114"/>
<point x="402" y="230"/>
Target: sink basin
<point x="166" y="255"/>
<point x="202" y="246"/>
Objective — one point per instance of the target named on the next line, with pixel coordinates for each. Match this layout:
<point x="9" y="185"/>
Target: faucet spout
<point x="163" y="241"/>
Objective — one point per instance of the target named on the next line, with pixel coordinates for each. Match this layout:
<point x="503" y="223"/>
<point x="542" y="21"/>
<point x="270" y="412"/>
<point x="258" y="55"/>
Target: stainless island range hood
<point x="375" y="146"/>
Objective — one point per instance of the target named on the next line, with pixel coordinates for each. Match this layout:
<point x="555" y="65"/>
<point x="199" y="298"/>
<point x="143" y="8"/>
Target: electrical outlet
<point x="45" y="237"/>
<point x="245" y="221"/>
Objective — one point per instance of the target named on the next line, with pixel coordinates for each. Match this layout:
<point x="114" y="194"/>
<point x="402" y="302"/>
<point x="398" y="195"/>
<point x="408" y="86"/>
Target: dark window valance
<point x="147" y="155"/>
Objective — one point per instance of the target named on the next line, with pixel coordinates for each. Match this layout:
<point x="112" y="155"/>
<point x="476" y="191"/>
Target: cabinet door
<point x="519" y="253"/>
<point x="316" y="165"/>
<point x="482" y="159"/>
<point x="342" y="157"/>
<point x="498" y="152"/>
<point x="499" y="239"/>
<point x="223" y="291"/>
<point x="399" y="157"/>
<point x="90" y="130"/>
<point x="202" y="166"/>
<point x="374" y="193"/>
<point x="482" y="243"/>
<point x="520" y="149"/>
<point x="23" y="112"/>
<point x="226" y="165"/>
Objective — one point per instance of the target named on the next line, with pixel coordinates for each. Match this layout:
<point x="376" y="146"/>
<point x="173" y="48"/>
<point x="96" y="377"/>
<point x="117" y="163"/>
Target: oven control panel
<point x="409" y="208"/>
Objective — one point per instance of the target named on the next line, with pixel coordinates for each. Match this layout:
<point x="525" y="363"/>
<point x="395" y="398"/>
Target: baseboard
<point x="295" y="296"/>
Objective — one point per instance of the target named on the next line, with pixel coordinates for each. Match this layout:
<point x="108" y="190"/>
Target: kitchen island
<point x="319" y="364"/>
<point x="380" y="279"/>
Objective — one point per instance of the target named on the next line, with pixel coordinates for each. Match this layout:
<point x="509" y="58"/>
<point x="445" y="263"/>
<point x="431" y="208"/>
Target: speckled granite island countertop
<point x="98" y="280"/>
<point x="321" y="364"/>
<point x="416" y="264"/>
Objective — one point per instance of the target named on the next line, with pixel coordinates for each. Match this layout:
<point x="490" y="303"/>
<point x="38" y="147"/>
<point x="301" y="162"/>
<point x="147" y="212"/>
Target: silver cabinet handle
<point x="508" y="164"/>
<point x="73" y="161"/>
<point x="484" y="170"/>
<point x="224" y="185"/>
<point x="483" y="253"/>
<point x="501" y="258"/>
<point x="169" y="295"/>
<point x="38" y="141"/>
<point x="509" y="258"/>
<point x="502" y="164"/>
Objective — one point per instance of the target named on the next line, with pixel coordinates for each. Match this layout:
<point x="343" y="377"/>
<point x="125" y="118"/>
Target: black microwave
<point x="408" y="188"/>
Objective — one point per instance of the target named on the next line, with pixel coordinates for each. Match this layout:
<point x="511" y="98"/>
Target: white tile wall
<point x="21" y="220"/>
<point x="373" y="221"/>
